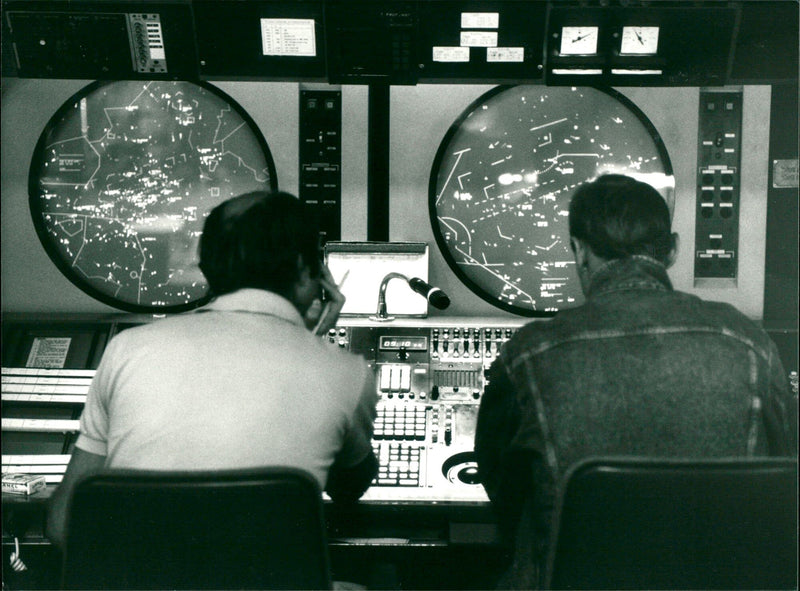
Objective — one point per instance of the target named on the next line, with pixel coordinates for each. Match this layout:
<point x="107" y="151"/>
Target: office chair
<point x="243" y="529"/>
<point x="676" y="524"/>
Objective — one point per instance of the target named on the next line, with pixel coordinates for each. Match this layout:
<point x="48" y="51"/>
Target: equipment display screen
<point x="123" y="177"/>
<point x="503" y="177"/>
<point x="391" y="343"/>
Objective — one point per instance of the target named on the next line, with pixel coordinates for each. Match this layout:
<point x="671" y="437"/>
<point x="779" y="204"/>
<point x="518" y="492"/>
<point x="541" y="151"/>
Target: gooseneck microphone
<point x="434" y="295"/>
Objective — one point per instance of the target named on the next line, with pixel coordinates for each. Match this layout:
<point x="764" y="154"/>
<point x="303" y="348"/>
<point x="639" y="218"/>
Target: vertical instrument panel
<point x="430" y="380"/>
<point x="718" y="186"/>
<point x="147" y="43"/>
<point x="321" y="159"/>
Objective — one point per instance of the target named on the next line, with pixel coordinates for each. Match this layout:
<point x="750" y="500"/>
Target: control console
<point x="430" y="378"/>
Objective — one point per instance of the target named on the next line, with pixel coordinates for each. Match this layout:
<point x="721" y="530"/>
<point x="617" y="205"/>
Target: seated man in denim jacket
<point x="639" y="369"/>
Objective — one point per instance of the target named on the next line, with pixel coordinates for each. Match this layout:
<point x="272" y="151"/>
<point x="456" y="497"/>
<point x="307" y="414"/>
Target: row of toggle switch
<point x="452" y="343"/>
<point x="468" y="342"/>
<point x="442" y="425"/>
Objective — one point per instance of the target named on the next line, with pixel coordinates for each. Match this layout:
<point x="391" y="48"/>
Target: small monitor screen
<point x="360" y="267"/>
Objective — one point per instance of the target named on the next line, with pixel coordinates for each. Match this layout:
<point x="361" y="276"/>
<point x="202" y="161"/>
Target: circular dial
<point x="123" y="177"/>
<point x="639" y="40"/>
<point x="504" y="174"/>
<point x="578" y="40"/>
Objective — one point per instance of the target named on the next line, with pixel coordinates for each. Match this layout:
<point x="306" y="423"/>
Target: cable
<point x="15" y="560"/>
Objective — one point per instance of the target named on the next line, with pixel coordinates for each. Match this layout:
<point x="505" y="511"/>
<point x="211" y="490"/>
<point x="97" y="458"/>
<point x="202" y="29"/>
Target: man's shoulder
<point x="731" y="320"/>
<point x="345" y="373"/>
<point x="159" y="328"/>
<point x="673" y="309"/>
<point x="335" y="357"/>
<point x="531" y="336"/>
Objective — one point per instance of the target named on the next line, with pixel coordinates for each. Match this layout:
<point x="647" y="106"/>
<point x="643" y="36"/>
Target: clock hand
<point x="639" y="37"/>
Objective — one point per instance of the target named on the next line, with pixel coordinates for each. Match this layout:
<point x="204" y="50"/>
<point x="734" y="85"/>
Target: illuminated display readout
<point x="504" y="175"/>
<point x="390" y="343"/>
<point x="123" y="178"/>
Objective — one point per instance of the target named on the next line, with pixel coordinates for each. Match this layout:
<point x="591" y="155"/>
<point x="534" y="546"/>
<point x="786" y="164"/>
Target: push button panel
<point x="718" y="183"/>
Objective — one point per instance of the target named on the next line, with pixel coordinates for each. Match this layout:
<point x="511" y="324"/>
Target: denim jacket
<point x="639" y="369"/>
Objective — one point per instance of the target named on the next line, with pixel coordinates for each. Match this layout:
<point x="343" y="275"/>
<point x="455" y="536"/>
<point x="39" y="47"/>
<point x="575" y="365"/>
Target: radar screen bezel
<point x="442" y="153"/>
<point x="46" y="237"/>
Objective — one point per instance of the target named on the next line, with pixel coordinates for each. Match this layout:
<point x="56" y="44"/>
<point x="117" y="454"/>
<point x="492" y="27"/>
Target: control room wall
<point x="421" y="116"/>
<point x="30" y="282"/>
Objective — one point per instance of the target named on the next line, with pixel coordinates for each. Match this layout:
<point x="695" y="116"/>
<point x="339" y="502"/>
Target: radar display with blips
<point x="503" y="178"/>
<point x="123" y="178"/>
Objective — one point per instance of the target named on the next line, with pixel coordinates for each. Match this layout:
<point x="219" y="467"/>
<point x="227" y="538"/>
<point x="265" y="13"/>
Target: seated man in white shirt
<point x="242" y="382"/>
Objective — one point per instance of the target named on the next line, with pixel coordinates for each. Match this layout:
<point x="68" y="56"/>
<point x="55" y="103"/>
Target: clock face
<point x="578" y="40"/>
<point x="639" y="40"/>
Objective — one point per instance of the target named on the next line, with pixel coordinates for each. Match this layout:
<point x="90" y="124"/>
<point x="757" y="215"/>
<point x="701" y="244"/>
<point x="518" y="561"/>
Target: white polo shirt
<point x="240" y="383"/>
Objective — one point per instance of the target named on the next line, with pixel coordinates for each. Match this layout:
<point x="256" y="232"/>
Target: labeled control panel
<point x="321" y="159"/>
<point x="429" y="380"/>
<point x="718" y="186"/>
<point x="147" y="43"/>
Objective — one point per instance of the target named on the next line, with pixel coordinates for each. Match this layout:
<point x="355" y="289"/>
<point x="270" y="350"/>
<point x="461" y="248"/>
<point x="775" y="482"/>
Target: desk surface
<point x="365" y="523"/>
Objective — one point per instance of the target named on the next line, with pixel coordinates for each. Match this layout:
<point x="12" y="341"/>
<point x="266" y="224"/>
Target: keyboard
<point x="398" y="464"/>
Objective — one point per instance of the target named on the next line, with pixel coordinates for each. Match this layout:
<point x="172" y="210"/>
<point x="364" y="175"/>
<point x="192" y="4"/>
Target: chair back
<point x="628" y="523"/>
<point x="242" y="529"/>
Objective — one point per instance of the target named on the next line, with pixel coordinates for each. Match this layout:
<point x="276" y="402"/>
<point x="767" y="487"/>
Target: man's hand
<point x="325" y="319"/>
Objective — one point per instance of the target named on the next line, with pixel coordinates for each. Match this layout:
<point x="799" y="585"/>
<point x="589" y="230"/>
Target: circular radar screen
<point x="123" y="178"/>
<point x="503" y="178"/>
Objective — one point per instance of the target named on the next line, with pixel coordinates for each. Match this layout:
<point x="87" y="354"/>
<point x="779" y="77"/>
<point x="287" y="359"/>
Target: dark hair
<point x="253" y="240"/>
<point x="618" y="216"/>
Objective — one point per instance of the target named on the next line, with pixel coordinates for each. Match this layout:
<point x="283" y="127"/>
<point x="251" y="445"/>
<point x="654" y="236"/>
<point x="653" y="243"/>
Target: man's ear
<point x="581" y="252"/>
<point x="673" y="254"/>
<point x="303" y="271"/>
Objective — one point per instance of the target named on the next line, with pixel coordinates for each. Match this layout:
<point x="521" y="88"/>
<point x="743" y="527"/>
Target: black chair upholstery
<point x="244" y="529"/>
<point x="676" y="524"/>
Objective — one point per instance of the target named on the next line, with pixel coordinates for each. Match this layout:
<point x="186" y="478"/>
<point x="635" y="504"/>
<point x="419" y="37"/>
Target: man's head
<point x="261" y="240"/>
<point x="616" y="217"/>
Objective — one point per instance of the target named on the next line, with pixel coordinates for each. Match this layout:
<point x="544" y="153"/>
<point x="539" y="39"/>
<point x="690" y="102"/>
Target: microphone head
<point x="434" y="295"/>
<point x="438" y="299"/>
